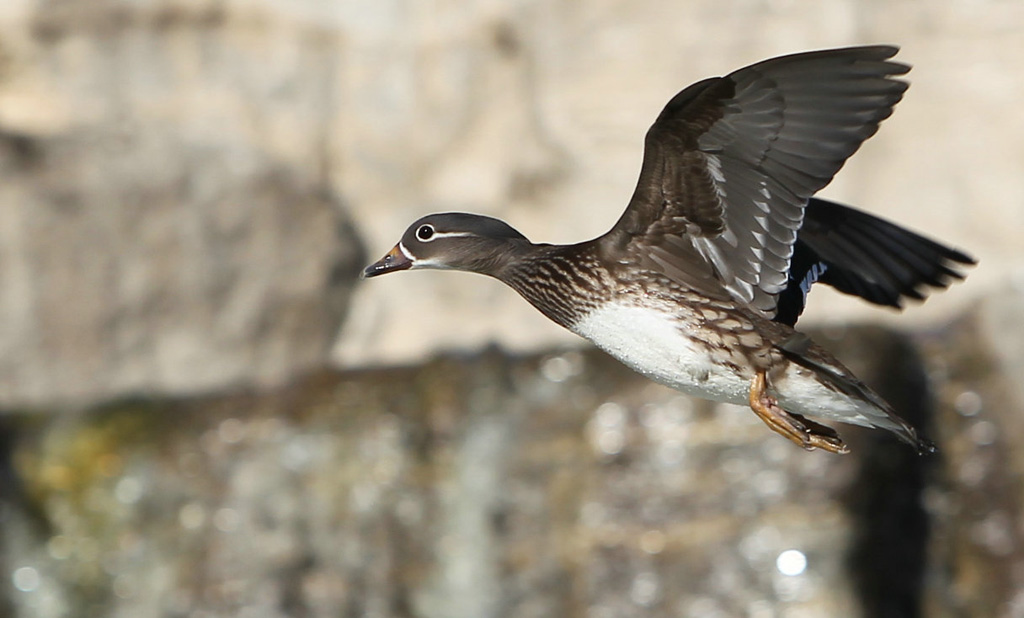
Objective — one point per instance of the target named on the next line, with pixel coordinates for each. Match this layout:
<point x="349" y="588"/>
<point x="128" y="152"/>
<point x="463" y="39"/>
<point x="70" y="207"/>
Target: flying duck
<point x="700" y="282"/>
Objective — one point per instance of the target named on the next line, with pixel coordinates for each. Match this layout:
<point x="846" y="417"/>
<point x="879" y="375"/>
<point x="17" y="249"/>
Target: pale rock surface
<point x="182" y="179"/>
<point x="166" y="225"/>
<point x="560" y="94"/>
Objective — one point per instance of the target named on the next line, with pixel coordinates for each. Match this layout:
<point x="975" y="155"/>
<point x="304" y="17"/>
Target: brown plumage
<point x="699" y="282"/>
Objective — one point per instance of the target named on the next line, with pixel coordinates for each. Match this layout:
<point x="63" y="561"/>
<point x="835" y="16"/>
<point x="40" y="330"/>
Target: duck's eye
<point x="425" y="232"/>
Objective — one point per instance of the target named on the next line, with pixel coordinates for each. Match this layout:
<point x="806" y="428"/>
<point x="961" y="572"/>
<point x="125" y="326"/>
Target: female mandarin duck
<point x="700" y="281"/>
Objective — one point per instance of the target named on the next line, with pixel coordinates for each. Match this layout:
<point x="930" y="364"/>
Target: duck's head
<point x="455" y="241"/>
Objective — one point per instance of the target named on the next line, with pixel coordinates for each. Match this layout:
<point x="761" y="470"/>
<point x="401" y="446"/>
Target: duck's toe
<point x="798" y="429"/>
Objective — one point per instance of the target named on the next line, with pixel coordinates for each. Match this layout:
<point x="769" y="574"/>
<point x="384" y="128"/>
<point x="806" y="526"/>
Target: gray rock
<point x="170" y="225"/>
<point x="137" y="139"/>
<point x="548" y="485"/>
<point x="154" y="238"/>
<point x="976" y="503"/>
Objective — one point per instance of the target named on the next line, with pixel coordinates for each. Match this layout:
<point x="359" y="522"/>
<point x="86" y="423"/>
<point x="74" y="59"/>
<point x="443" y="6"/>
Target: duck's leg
<point x="800" y="430"/>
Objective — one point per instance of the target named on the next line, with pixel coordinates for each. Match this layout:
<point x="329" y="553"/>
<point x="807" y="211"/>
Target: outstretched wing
<point x="731" y="161"/>
<point x="865" y="256"/>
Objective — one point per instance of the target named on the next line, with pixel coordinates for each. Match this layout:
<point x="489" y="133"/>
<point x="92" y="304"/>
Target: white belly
<point x="655" y="345"/>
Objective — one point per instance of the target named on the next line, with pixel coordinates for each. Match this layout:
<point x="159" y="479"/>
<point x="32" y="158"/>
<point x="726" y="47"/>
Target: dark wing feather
<point x="731" y="161"/>
<point x="865" y="256"/>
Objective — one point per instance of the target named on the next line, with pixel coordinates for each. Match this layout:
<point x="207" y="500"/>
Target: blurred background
<point x="206" y="414"/>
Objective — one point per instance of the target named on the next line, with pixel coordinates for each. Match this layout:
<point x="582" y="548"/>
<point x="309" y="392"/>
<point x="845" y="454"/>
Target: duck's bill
<point x="396" y="259"/>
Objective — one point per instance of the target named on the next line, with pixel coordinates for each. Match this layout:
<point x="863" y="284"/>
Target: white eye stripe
<point x="452" y="234"/>
<point x="437" y="235"/>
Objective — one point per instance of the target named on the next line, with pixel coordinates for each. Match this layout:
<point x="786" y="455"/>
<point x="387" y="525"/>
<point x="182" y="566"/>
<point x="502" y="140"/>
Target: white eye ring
<point x="425" y="233"/>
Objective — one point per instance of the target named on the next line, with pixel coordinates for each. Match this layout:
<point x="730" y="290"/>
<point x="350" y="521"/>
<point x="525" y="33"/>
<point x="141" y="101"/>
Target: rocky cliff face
<point x="188" y="189"/>
<point x="165" y="228"/>
<point x="181" y="181"/>
<point x="552" y="485"/>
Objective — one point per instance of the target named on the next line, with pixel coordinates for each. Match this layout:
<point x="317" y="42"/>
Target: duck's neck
<point x="564" y="282"/>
